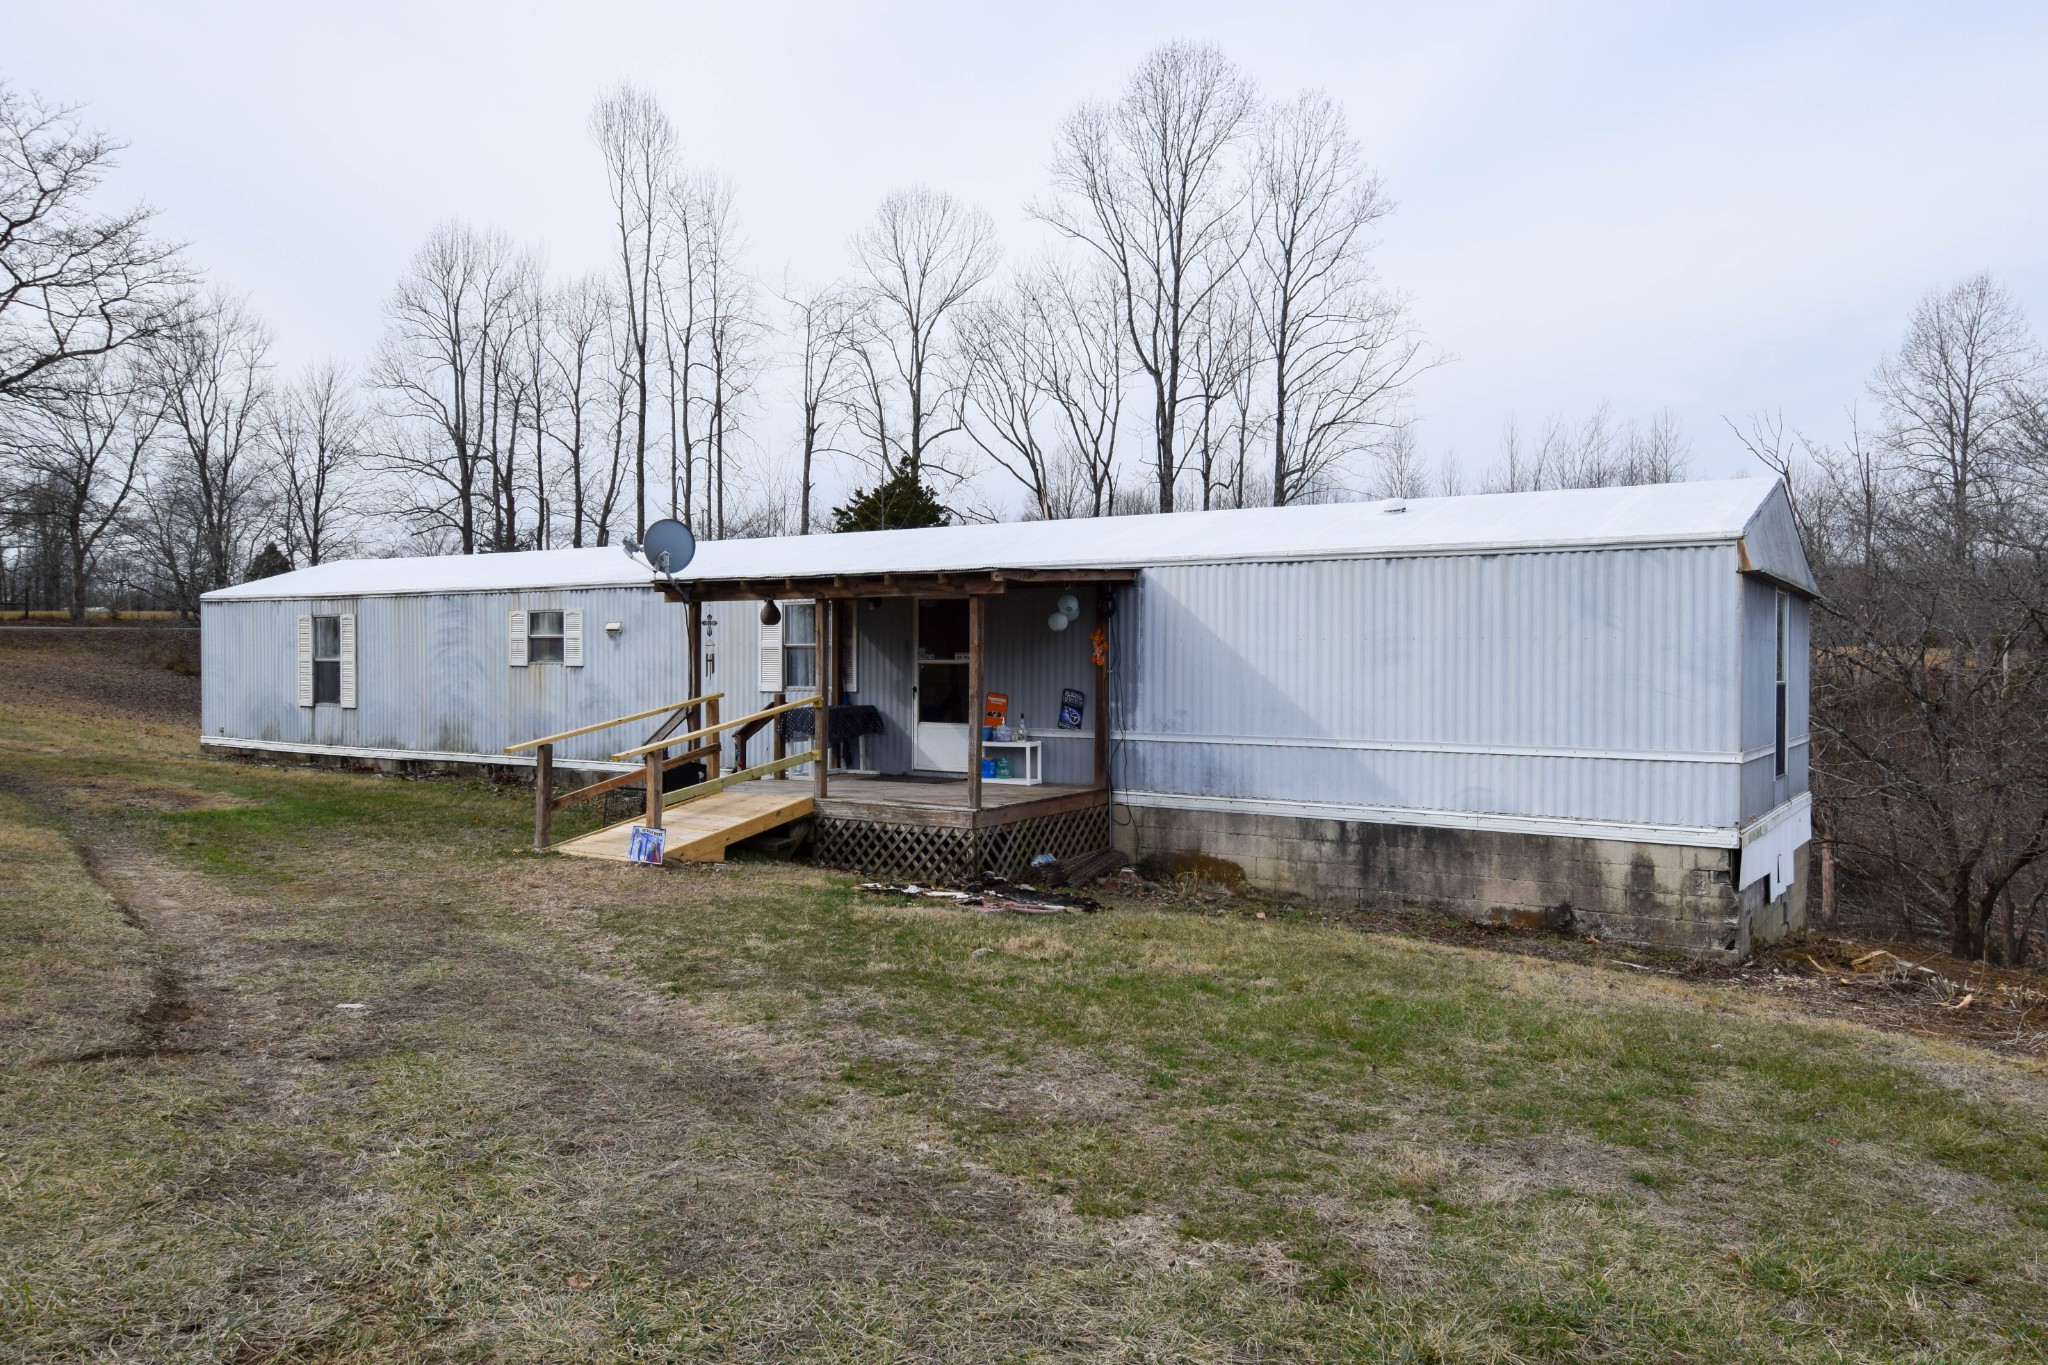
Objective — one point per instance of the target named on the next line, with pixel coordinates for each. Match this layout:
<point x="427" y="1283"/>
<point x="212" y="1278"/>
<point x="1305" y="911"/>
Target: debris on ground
<point x="991" y="895"/>
<point x="1910" y="988"/>
<point x="1081" y="869"/>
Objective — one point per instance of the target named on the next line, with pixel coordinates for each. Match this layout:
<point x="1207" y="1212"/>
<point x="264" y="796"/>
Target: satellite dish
<point x="669" y="546"/>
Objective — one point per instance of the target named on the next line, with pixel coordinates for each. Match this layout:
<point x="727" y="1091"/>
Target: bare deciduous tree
<point x="211" y="375"/>
<point x="1224" y="361"/>
<point x="921" y="258"/>
<point x="1956" y="399"/>
<point x="1398" y="471"/>
<point x="1149" y="185"/>
<point x="1083" y="378"/>
<point x="822" y="329"/>
<point x="1595" y="453"/>
<point x="439" y="365"/>
<point x="1004" y="346"/>
<point x="582" y="313"/>
<point x="1930" y="694"/>
<point x="1339" y="350"/>
<point x="732" y="328"/>
<point x="320" y="441"/>
<point x="75" y="283"/>
<point x="639" y="147"/>
<point x="77" y="450"/>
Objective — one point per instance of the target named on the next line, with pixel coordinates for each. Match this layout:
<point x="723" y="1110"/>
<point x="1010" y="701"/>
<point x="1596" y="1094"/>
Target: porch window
<point x="800" y="645"/>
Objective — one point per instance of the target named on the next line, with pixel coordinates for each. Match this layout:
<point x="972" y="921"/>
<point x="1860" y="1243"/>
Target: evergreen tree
<point x="900" y="500"/>
<point x="269" y="562"/>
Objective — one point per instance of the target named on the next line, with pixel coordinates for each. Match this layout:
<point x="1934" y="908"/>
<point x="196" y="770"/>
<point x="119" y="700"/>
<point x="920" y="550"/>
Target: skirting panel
<point x="932" y="853"/>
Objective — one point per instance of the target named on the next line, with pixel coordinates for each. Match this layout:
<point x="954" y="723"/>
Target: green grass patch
<point x="587" y="1112"/>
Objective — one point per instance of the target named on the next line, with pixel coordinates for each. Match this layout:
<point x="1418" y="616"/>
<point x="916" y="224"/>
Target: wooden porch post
<point x="821" y="729"/>
<point x="1102" y="694"/>
<point x="653" y="764"/>
<point x="977" y="706"/>
<point x="543" y="790"/>
<point x="696" y="658"/>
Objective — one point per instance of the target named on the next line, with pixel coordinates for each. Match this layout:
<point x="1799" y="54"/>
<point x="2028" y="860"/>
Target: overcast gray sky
<point x="1716" y="208"/>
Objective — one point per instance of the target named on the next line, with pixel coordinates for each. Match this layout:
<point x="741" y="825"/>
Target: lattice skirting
<point x="939" y="854"/>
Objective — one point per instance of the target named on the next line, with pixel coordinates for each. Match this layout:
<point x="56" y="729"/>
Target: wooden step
<point x="700" y="831"/>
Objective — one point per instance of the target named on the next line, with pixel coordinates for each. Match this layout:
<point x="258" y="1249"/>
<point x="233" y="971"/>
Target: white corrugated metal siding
<point x="432" y="673"/>
<point x="1595" y="685"/>
<point x="1616" y="687"/>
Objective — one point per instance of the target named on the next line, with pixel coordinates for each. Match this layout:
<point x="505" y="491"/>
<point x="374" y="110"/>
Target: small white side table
<point x="1028" y="749"/>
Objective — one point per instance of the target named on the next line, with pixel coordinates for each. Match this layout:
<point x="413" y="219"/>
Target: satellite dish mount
<point x="668" y="549"/>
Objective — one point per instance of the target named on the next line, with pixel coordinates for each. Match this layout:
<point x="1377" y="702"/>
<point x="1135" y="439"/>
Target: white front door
<point x="939" y="741"/>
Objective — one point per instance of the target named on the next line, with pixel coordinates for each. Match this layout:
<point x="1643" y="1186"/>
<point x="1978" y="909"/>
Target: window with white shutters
<point x="789" y="650"/>
<point x="516" y="638"/>
<point x="771" y="657"/>
<point x="305" y="661"/>
<point x="327" y="660"/>
<point x="544" y="637"/>
<point x="347" y="670"/>
<point x="800" y="646"/>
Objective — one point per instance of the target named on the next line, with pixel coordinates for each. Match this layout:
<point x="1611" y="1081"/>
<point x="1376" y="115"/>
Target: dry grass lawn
<point x="306" y="1066"/>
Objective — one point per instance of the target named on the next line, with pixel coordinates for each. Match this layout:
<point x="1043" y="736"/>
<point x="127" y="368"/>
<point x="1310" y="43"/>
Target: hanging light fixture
<point x="770" y="613"/>
<point x="1056" y="621"/>
<point x="1070" y="606"/>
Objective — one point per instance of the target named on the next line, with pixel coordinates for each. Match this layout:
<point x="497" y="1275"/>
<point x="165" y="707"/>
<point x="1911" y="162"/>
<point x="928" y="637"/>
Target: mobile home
<point x="1585" y="709"/>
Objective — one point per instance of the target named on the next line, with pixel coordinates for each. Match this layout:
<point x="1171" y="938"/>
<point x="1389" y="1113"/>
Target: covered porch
<point x="934" y="795"/>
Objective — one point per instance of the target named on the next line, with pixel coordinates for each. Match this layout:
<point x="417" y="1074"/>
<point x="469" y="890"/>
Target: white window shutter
<point x="348" y="660"/>
<point x="851" y="650"/>
<point x="771" y="657"/>
<point x="305" y="661"/>
<point x="572" y="639"/>
<point x="517" y="657"/>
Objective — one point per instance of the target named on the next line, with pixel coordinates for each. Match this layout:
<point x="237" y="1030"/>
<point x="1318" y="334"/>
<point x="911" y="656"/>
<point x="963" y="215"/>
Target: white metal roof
<point x="1656" y="514"/>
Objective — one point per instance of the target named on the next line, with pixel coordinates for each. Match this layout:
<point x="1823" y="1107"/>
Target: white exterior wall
<point x="433" y="676"/>
<point x="1609" y="693"/>
<point x="1599" y="687"/>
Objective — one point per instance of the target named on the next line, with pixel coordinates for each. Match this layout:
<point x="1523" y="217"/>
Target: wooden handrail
<point x="719" y="784"/>
<point x="608" y="724"/>
<point x="648" y="748"/>
<point x="626" y="779"/>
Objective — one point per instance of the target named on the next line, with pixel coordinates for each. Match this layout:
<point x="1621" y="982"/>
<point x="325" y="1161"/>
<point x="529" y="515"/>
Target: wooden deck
<point x="941" y="803"/>
<point x="700" y="831"/>
<point x="894" y="826"/>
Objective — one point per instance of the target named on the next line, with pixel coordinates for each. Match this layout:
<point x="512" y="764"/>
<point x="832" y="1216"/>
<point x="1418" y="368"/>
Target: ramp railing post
<point x="822" y="736"/>
<point x="653" y="820"/>
<point x="977" y="703"/>
<point x="543" y="795"/>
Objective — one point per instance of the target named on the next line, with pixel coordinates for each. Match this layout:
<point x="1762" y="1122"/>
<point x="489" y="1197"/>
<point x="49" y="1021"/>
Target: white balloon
<point x="1070" y="606"/>
<point x="1057" y="621"/>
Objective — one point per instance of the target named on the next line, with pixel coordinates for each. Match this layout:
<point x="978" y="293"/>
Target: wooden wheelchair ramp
<point x="700" y="831"/>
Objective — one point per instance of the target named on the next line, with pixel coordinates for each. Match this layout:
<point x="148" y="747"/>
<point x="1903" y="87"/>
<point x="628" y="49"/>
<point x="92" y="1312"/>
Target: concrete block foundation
<point x="1655" y="895"/>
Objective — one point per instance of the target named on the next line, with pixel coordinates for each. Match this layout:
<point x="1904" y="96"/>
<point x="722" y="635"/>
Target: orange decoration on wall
<point x="1100" y="639"/>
